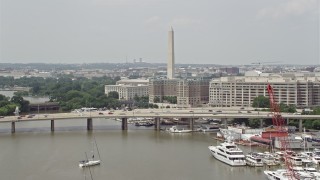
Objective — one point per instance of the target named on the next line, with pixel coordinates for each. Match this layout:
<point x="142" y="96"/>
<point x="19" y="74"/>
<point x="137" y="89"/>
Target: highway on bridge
<point x="155" y="113"/>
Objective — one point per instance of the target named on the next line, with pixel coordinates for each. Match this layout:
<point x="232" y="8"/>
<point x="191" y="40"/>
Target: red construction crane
<point x="279" y="125"/>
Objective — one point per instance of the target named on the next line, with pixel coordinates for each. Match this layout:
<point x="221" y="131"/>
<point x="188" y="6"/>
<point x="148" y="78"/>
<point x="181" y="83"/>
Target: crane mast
<point x="280" y="126"/>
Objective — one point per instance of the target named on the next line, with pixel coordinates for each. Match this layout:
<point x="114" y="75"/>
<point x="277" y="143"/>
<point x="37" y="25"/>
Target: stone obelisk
<point x="170" y="66"/>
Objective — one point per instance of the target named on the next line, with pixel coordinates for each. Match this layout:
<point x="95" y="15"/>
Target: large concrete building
<point x="170" y="66"/>
<point x="298" y="89"/>
<point x="192" y="92"/>
<point x="159" y="88"/>
<point x="129" y="88"/>
<point x="189" y="92"/>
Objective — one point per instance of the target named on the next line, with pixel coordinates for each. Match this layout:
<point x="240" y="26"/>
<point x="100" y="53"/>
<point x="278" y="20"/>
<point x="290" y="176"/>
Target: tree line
<point x="74" y="92"/>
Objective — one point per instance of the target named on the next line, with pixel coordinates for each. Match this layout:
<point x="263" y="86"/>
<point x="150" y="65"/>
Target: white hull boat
<point x="253" y="159"/>
<point x="228" y="153"/>
<point x="174" y="129"/>
<point x="89" y="163"/>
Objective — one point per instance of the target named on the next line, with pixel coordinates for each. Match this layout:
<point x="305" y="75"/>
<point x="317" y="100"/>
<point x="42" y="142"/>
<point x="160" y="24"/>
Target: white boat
<point x="208" y="128"/>
<point x="316" y="156"/>
<point x="174" y="129"/>
<point x="228" y="153"/>
<point x="283" y="174"/>
<point x="300" y="173"/>
<point x="269" y="159"/>
<point x="305" y="157"/>
<point x="280" y="174"/>
<point x="254" y="159"/>
<point x="313" y="172"/>
<point x="92" y="161"/>
<point x="295" y="160"/>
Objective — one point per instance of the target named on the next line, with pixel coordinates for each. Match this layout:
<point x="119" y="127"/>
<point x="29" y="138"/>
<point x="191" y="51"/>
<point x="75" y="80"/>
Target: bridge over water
<point x="156" y="114"/>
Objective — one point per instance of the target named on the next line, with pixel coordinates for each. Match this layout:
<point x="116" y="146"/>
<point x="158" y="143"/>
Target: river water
<point x="31" y="99"/>
<point x="34" y="153"/>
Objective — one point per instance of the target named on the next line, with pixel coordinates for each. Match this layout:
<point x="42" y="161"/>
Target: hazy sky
<point x="206" y="31"/>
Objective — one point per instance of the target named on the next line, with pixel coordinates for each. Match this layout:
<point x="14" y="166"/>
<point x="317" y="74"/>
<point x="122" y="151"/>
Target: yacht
<point x="228" y="153"/>
<point x="280" y="174"/>
<point x="269" y="159"/>
<point x="313" y="172"/>
<point x="254" y="159"/>
<point x="295" y="160"/>
<point x="174" y="129"/>
<point x="208" y="128"/>
<point x="300" y="173"/>
<point x="283" y="174"/>
<point x="316" y="156"/>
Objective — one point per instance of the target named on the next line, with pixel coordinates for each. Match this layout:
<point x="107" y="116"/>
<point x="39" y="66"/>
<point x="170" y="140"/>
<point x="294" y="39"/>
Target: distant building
<point x="189" y="92"/>
<point x="158" y="88"/>
<point x="133" y="82"/>
<point x="44" y="107"/>
<point x="129" y="88"/>
<point x="192" y="92"/>
<point x="230" y="70"/>
<point x="297" y="89"/>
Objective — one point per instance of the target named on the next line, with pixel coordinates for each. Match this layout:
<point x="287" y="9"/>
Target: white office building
<point x="129" y="88"/>
<point x="302" y="90"/>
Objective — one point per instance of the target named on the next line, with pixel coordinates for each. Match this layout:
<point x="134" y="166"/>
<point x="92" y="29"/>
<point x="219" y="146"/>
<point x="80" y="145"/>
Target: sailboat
<point x="92" y="161"/>
<point x="85" y="176"/>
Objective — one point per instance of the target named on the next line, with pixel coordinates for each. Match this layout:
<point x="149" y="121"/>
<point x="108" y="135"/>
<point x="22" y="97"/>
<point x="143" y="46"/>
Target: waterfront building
<point x="302" y="90"/>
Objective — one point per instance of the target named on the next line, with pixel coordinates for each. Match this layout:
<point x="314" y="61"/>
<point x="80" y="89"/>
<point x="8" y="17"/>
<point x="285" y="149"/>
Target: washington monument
<point x="170" y="66"/>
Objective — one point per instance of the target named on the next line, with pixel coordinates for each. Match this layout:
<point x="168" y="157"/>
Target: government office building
<point x="300" y="89"/>
<point x="129" y="88"/>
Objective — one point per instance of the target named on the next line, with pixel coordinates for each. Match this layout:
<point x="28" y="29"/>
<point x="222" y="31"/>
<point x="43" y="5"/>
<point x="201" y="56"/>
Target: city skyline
<point x="208" y="32"/>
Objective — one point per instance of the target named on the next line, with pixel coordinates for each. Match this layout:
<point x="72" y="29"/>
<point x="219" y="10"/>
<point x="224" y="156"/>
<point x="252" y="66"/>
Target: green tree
<point x="3" y="98"/>
<point x="261" y="102"/>
<point x="113" y="94"/>
<point x="254" y="123"/>
<point x="291" y="108"/>
<point x="156" y="99"/>
<point x="23" y="104"/>
<point x="316" y="124"/>
<point x="170" y="99"/>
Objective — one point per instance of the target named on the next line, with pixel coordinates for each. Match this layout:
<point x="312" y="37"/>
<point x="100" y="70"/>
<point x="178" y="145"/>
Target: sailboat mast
<point x="89" y="166"/>
<point x="97" y="147"/>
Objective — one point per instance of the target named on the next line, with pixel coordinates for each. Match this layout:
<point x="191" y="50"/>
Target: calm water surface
<point x="32" y="99"/>
<point x="34" y="153"/>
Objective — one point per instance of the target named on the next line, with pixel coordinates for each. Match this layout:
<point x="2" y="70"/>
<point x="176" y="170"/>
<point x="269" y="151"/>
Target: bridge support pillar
<point x="225" y="122"/>
<point x="13" y="127"/>
<point x="261" y="123"/>
<point x="52" y="125"/>
<point x="191" y="123"/>
<point x="287" y="121"/>
<point x="300" y="125"/>
<point x="157" y="123"/>
<point x="89" y="124"/>
<point x="124" y="124"/>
